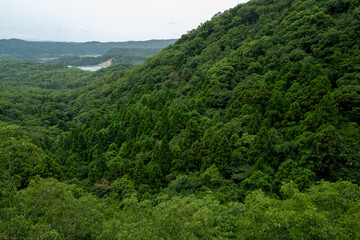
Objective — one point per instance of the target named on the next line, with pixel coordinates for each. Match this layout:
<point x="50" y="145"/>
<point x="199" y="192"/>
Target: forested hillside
<point x="245" y="128"/>
<point x="39" y="97"/>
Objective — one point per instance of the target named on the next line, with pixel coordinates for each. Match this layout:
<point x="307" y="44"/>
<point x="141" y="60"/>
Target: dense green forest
<point x="245" y="128"/>
<point x="134" y="56"/>
<point x="15" y="49"/>
<point x="38" y="96"/>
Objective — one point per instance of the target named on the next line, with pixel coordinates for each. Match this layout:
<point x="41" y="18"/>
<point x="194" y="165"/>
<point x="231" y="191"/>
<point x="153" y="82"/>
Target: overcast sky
<point x="105" y="20"/>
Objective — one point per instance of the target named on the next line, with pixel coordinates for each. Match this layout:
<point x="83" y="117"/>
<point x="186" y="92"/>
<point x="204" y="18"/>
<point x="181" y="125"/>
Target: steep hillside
<point x="245" y="128"/>
<point x="267" y="92"/>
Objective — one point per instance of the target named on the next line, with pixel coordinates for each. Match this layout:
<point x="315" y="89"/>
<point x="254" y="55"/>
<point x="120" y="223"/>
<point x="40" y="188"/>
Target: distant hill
<point x="133" y="56"/>
<point x="19" y="49"/>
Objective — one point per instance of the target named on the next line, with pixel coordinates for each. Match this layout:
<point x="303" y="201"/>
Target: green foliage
<point x="49" y="209"/>
<point x="326" y="211"/>
<point x="21" y="160"/>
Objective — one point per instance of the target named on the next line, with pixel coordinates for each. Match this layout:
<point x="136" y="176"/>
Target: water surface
<point x="90" y="68"/>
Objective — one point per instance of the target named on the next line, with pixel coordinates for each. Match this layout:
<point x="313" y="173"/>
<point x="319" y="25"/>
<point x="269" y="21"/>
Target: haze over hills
<point x="133" y="56"/>
<point x="19" y="49"/>
<point x="245" y="128"/>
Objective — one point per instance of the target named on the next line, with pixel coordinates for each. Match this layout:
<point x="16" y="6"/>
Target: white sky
<point x="105" y="20"/>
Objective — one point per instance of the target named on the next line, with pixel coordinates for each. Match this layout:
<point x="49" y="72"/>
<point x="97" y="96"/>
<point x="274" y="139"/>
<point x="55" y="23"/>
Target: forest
<point x="247" y="127"/>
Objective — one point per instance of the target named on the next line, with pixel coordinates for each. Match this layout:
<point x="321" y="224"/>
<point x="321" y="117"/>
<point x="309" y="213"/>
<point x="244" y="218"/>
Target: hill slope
<point x="267" y="91"/>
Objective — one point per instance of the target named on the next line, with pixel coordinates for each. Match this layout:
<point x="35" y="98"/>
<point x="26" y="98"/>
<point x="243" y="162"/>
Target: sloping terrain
<point x="263" y="91"/>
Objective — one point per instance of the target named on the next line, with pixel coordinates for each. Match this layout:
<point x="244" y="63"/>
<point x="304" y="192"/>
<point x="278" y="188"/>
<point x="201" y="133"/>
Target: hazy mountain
<point x="134" y="56"/>
<point x="19" y="49"/>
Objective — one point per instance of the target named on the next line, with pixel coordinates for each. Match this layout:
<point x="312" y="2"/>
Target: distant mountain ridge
<point x="133" y="56"/>
<point x="20" y="49"/>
